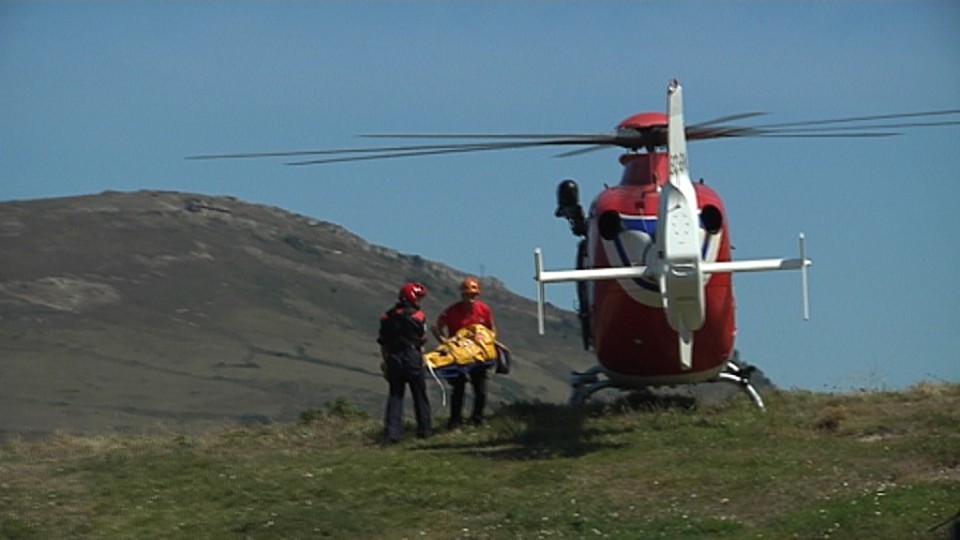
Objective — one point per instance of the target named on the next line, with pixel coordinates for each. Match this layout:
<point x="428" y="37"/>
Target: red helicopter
<point x="653" y="266"/>
<point x="657" y="266"/>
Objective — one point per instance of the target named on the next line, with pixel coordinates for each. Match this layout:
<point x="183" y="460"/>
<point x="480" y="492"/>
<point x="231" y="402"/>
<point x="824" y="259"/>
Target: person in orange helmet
<point x="468" y="311"/>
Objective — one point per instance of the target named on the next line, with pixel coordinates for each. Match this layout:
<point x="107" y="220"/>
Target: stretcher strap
<point x="443" y="391"/>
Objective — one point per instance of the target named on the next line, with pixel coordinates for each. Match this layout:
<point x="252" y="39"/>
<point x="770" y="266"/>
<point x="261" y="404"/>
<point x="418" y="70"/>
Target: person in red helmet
<point x="401" y="338"/>
<point x="469" y="310"/>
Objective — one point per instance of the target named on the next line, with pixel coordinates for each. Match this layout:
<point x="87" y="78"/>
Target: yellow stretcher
<point x="470" y="346"/>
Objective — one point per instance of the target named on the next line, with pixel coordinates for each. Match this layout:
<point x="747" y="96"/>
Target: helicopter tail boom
<point x="681" y="278"/>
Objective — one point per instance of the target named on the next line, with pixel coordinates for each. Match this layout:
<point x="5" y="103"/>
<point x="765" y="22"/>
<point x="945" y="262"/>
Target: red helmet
<point x="413" y="292"/>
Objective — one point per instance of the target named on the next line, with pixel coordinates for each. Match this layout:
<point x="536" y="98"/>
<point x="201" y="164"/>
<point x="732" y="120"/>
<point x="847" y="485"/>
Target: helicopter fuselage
<point x="630" y="333"/>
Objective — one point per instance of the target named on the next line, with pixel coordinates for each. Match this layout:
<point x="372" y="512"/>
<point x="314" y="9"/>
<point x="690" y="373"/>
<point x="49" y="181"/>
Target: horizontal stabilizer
<point x="595" y="274"/>
<point x="755" y="265"/>
<point x="765" y="265"/>
<point x="634" y="272"/>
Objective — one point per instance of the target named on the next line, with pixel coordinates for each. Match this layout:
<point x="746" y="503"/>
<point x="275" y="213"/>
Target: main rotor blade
<point x="824" y="128"/>
<point x="431" y="151"/>
<point x="863" y="119"/>
<point x="730" y="118"/>
<point x="403" y="148"/>
<point x="582" y="151"/>
<point x="294" y="153"/>
<point x="873" y="126"/>
<point x="797" y="135"/>
<point x="489" y="136"/>
<point x="632" y="139"/>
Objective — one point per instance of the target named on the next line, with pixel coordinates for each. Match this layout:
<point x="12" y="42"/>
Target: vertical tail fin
<point x="681" y="278"/>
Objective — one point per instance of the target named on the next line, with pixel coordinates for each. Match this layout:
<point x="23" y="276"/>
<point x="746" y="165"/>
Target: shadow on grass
<point x="526" y="431"/>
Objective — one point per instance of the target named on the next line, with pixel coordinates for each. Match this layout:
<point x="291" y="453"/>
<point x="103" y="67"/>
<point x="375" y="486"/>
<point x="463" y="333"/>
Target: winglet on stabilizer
<point x="541" y="293"/>
<point x="804" y="287"/>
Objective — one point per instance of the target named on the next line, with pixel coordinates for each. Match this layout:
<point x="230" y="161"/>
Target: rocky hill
<point x="156" y="310"/>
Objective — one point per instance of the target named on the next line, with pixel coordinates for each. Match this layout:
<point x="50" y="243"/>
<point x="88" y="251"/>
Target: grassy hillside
<point x="870" y="465"/>
<point x="125" y="312"/>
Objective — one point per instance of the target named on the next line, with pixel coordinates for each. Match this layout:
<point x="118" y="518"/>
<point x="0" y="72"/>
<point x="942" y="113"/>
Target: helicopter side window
<point x="711" y="218"/>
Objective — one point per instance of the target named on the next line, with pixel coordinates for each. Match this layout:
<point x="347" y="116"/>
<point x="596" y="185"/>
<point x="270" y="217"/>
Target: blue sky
<point x="112" y="96"/>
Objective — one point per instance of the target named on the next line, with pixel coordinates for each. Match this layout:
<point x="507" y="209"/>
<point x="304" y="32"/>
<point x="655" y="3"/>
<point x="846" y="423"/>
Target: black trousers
<point x="478" y="380"/>
<point x="405" y="368"/>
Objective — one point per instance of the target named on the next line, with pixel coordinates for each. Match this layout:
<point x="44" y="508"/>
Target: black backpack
<point x="399" y="328"/>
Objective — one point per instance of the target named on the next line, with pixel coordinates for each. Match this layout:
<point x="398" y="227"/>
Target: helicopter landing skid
<point x="584" y="384"/>
<point x="736" y="374"/>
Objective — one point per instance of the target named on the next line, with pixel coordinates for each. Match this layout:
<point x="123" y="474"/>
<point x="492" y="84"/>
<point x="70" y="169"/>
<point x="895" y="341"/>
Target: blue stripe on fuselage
<point x="648" y="225"/>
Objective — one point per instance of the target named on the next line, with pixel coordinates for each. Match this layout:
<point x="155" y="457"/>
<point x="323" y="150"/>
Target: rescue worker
<point x="401" y="338"/>
<point x="469" y="310"/>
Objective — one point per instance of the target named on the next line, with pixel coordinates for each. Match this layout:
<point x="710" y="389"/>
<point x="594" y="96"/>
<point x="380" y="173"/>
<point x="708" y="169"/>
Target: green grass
<point x="871" y="465"/>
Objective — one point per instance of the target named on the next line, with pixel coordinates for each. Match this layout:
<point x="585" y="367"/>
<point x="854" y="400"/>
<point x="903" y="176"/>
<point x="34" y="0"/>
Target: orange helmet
<point x="413" y="293"/>
<point x="470" y="285"/>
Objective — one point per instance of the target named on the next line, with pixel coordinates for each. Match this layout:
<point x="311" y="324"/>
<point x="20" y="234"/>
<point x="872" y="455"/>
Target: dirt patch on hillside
<point x="68" y="294"/>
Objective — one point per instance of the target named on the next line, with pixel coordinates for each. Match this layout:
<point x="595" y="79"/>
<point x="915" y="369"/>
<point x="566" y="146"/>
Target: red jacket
<point x="464" y="314"/>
